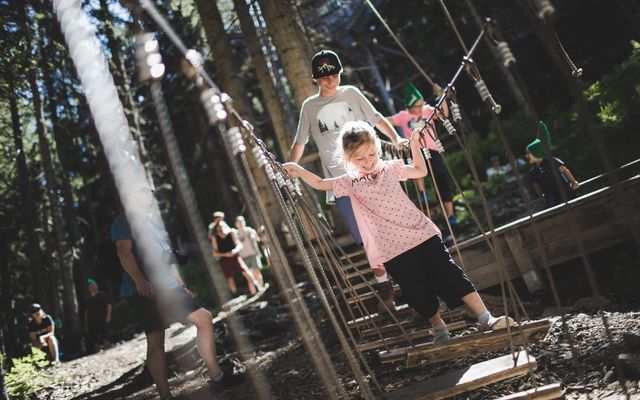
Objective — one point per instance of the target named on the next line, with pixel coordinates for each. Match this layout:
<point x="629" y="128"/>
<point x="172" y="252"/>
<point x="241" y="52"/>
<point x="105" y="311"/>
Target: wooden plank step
<point x="352" y="254"/>
<point x="480" y="342"/>
<point x="466" y="379"/>
<point x="361" y="272"/>
<point x="448" y="316"/>
<point x="358" y="286"/>
<point x="400" y="354"/>
<point x="546" y="392"/>
<point x="356" y="266"/>
<point x="369" y="295"/>
<point x="376" y="344"/>
<point x="371" y="318"/>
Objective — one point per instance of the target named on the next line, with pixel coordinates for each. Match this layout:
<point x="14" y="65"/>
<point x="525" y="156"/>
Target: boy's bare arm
<point x="567" y="174"/>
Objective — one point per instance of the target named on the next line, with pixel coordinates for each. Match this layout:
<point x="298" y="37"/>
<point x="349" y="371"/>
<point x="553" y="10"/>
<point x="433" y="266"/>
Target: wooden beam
<point x="547" y="392"/>
<point x="459" y="347"/>
<point x="376" y="344"/>
<point x="523" y="260"/>
<point x="466" y="379"/>
<point x="369" y="295"/>
<point x="449" y="316"/>
<point x="369" y="319"/>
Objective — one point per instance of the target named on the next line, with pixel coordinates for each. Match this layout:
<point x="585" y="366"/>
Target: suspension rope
<point x="218" y="107"/>
<point x="399" y="43"/>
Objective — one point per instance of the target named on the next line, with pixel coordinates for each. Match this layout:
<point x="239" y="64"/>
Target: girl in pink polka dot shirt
<point x="395" y="232"/>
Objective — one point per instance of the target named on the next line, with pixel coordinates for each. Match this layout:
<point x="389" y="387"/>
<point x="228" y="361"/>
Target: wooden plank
<point x="356" y="266"/>
<point x="451" y="316"/>
<point x="459" y="347"/>
<point x="366" y="284"/>
<point x="361" y="272"/>
<point x="523" y="260"/>
<point x="466" y="379"/>
<point x="371" y="318"/>
<point x="352" y="254"/>
<point x="369" y="295"/>
<point x="547" y="392"/>
<point x="389" y="341"/>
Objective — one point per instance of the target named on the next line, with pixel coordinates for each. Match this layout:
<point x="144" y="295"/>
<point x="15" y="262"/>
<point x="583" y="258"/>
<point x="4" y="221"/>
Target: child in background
<point x="395" y="232"/>
<point x="541" y="175"/>
<point x="250" y="251"/>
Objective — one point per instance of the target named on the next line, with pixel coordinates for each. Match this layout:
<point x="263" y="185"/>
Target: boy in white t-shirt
<point x="321" y="117"/>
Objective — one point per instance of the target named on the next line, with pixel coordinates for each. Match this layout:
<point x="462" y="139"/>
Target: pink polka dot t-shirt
<point x="389" y="222"/>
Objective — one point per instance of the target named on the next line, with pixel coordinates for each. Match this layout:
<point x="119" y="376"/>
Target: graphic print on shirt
<point x="332" y="116"/>
<point x="368" y="177"/>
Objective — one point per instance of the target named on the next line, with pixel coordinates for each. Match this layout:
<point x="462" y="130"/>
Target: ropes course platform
<point x="457" y="347"/>
<point x="469" y="378"/>
<point x="603" y="218"/>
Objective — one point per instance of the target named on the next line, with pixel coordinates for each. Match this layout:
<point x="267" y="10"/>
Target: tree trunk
<point x="292" y="47"/>
<point x="274" y="106"/>
<point x="28" y="203"/>
<point x="70" y="303"/>
<point x="78" y="264"/>
<point x="227" y="67"/>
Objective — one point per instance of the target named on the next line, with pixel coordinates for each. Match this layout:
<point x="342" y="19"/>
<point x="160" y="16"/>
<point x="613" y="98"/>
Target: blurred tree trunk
<point x="70" y="303"/>
<point x="292" y="47"/>
<point x="227" y="68"/>
<point x="274" y="106"/>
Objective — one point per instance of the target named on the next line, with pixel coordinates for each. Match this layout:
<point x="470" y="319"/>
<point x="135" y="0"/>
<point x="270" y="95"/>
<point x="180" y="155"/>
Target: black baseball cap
<point x="325" y="63"/>
<point x="35" y="307"/>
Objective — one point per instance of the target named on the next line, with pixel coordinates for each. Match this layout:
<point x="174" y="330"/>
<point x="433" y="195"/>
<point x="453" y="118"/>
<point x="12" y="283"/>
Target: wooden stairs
<point x="408" y="340"/>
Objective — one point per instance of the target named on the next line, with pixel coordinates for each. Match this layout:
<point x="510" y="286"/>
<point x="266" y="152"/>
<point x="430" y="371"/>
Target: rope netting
<point x="338" y="280"/>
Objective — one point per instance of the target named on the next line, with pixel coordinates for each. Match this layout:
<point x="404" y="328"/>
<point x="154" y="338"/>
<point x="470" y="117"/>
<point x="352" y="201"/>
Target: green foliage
<point x="617" y="94"/>
<point x="26" y="375"/>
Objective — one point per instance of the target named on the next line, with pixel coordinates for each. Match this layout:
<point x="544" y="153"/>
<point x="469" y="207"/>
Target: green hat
<point x="411" y="94"/>
<point x="91" y="282"/>
<point x="537" y="147"/>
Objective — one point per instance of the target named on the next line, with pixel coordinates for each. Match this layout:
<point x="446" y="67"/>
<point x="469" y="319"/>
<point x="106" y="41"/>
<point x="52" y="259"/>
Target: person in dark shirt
<point x="42" y="332"/>
<point x="541" y="175"/>
<point x="97" y="314"/>
<point x="162" y="300"/>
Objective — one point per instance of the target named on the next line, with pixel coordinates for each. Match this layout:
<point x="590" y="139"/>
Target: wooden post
<point x="523" y="260"/>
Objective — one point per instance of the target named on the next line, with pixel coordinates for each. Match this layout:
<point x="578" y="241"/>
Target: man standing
<point x="321" y="117"/>
<point x="165" y="300"/>
<point x="42" y="333"/>
<point x="97" y="314"/>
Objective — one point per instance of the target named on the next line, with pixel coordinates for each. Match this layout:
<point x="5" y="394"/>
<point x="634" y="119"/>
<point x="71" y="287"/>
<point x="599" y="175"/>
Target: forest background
<point x="57" y="194"/>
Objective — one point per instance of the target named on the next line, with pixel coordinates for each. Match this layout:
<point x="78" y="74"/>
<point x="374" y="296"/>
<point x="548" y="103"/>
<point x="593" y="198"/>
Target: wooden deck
<point x="602" y="219"/>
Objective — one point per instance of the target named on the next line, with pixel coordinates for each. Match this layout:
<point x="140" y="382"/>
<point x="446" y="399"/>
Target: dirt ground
<point x="589" y="373"/>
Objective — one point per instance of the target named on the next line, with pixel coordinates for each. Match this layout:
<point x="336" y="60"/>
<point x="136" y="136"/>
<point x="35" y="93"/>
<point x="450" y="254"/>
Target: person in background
<point x="496" y="168"/>
<point x="542" y="173"/>
<point x="226" y="248"/>
<point x="250" y="251"/>
<point x="165" y="300"/>
<point x="42" y="333"/>
<point x="321" y="117"/>
<point x="97" y="315"/>
<point x="217" y="217"/>
<point x="417" y="113"/>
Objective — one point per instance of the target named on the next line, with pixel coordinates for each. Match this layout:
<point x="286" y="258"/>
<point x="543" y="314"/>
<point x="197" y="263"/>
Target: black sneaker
<point x="228" y="380"/>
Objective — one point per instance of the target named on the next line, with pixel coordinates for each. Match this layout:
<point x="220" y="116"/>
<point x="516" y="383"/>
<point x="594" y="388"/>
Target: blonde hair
<point x="353" y="135"/>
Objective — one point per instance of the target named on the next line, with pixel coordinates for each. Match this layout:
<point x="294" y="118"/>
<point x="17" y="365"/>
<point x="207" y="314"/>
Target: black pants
<point x="439" y="171"/>
<point x="427" y="272"/>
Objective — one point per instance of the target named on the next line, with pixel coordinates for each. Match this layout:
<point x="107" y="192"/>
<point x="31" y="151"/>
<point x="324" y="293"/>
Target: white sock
<point x="382" y="278"/>
<point x="485" y="316"/>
